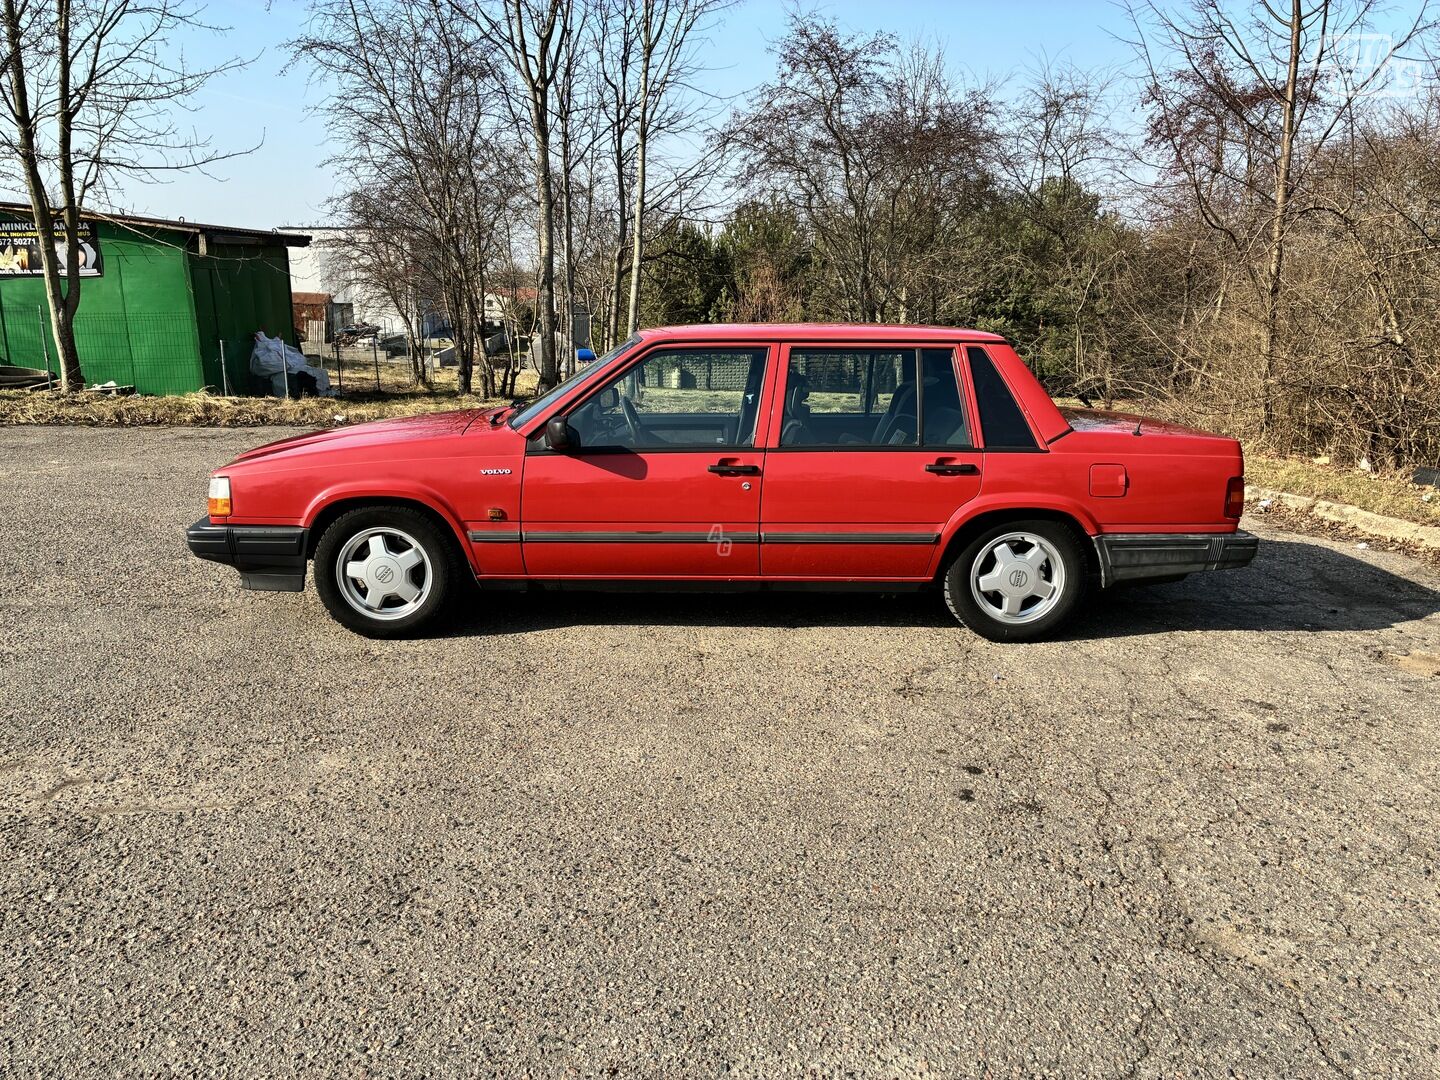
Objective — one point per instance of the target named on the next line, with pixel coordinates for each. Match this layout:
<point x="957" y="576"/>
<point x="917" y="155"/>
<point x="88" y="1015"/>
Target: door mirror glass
<point x="609" y="399"/>
<point x="557" y="433"/>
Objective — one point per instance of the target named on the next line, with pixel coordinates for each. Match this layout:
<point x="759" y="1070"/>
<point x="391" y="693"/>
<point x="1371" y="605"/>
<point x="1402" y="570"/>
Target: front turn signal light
<point x="1235" y="497"/>
<point x="219" y="496"/>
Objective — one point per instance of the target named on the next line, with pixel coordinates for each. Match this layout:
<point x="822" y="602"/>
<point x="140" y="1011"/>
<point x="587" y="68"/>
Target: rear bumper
<point x="269" y="557"/>
<point x="1142" y="556"/>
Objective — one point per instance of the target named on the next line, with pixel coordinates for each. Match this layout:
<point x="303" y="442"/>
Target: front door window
<point x="676" y="399"/>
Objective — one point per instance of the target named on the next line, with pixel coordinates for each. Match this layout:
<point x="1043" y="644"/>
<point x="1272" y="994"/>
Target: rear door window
<point x="868" y="398"/>
<point x="850" y="397"/>
<point x="943" y="419"/>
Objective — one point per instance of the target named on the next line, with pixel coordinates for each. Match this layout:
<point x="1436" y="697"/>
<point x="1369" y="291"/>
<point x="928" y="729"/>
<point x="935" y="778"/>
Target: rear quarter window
<point x="1001" y="420"/>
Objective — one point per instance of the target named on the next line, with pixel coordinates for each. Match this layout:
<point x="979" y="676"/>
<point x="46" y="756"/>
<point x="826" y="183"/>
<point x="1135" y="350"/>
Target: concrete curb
<point x="1387" y="528"/>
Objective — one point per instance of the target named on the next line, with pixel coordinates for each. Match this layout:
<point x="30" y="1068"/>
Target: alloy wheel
<point x="383" y="573"/>
<point x="1017" y="578"/>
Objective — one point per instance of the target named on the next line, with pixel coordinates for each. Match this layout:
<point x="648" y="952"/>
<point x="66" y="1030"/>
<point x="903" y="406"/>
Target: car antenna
<point x="1137" y="425"/>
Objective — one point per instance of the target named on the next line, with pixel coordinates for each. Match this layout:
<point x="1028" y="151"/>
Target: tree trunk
<point x="546" y="194"/>
<point x="642" y="139"/>
<point x="417" y="362"/>
<point x="1274" y="271"/>
<point x="456" y="307"/>
<point x="618" y="274"/>
<point x="62" y="301"/>
<point x="568" y="226"/>
<point x="487" y="372"/>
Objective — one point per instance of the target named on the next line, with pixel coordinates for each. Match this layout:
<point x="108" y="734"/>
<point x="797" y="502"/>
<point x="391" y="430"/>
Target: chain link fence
<point x="163" y="354"/>
<point x="369" y="367"/>
<point x="156" y="353"/>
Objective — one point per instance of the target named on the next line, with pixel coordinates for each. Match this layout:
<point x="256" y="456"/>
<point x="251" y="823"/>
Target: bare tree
<point x="90" y="92"/>
<point x="1060" y="159"/>
<point x="613" y="42"/>
<point x="665" y="38"/>
<point x="416" y="106"/>
<point x="876" y="152"/>
<point x="380" y="260"/>
<point x="573" y="113"/>
<point x="1242" y="106"/>
<point x="531" y="36"/>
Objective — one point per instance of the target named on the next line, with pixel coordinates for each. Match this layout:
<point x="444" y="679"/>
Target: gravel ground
<point x="767" y="836"/>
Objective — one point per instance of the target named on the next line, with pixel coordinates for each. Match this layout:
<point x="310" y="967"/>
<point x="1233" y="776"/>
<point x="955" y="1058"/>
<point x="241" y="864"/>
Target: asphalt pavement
<point x="761" y="836"/>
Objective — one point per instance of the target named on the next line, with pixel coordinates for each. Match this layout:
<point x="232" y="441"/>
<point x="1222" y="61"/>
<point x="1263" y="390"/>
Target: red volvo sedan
<point x="795" y="456"/>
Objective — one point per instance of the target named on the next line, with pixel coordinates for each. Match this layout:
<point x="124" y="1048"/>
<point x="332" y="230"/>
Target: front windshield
<point x="536" y="407"/>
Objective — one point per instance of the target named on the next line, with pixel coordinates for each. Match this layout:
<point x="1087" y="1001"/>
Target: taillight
<point x="1235" y="497"/>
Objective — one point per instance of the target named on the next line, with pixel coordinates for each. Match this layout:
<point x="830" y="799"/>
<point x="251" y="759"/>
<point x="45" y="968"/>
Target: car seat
<point x="795" y="432"/>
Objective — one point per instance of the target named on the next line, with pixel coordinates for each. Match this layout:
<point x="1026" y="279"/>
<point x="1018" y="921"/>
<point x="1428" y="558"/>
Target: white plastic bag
<point x="271" y="358"/>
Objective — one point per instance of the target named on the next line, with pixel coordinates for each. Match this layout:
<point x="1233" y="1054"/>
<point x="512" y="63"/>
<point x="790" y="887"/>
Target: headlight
<point x="219" y="496"/>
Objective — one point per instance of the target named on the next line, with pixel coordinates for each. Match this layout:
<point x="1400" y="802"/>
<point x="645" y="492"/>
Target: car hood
<point x="1126" y="423"/>
<point x="376" y="433"/>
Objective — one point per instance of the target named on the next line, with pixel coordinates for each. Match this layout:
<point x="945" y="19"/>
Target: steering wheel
<point x="632" y="420"/>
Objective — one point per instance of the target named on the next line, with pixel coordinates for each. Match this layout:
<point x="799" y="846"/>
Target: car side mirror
<point x="558" y="434"/>
<point x="609" y="399"/>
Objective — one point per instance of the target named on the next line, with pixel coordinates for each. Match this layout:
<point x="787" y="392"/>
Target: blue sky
<point x="285" y="180"/>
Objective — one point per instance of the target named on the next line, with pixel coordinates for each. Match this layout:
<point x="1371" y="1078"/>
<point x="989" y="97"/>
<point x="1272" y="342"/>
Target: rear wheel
<point x="386" y="571"/>
<point x="1018" y="581"/>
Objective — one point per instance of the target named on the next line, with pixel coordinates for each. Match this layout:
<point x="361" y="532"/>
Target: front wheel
<point x="385" y="572"/>
<point x="1017" y="581"/>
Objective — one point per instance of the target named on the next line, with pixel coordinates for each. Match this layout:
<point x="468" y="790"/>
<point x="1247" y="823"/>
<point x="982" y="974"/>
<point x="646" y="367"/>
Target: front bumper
<point x="1146" y="556"/>
<point x="270" y="558"/>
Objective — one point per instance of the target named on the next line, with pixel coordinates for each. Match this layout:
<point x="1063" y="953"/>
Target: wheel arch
<point x="961" y="531"/>
<point x="326" y="510"/>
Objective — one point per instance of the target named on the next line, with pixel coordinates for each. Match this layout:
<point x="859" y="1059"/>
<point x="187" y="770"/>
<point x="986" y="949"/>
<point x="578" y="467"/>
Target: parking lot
<point x="768" y="836"/>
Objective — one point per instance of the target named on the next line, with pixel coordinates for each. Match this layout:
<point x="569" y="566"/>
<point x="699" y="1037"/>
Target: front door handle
<point x="727" y="469"/>
<point x="952" y="469"/>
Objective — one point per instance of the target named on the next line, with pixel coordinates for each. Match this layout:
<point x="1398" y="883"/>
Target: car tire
<point x="1038" y="570"/>
<point x="387" y="571"/>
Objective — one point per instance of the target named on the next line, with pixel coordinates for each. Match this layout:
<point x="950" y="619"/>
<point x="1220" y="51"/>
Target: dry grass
<point x="212" y="410"/>
<point x="1392" y="495"/>
<point x="359" y="403"/>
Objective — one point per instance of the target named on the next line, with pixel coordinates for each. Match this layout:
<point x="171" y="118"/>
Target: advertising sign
<point x="20" y="251"/>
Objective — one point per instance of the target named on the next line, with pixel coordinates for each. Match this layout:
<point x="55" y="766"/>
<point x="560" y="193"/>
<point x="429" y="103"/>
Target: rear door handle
<point x="945" y="469"/>
<point x="725" y="469"/>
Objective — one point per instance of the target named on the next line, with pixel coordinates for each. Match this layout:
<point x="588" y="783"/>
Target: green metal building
<point x="160" y="301"/>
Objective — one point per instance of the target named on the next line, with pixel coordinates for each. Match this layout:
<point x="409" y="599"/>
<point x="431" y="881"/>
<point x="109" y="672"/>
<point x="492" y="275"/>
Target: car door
<point x="870" y="456"/>
<point x="662" y="478"/>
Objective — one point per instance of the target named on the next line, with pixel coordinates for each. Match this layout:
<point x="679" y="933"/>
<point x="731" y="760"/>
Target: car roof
<point x="842" y="332"/>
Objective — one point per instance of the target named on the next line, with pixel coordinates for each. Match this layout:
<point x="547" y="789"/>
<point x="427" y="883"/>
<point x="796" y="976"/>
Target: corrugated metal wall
<point x="240" y="289"/>
<point x="157" y="315"/>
